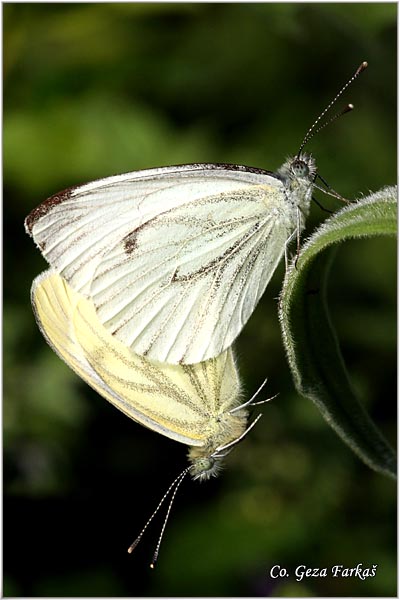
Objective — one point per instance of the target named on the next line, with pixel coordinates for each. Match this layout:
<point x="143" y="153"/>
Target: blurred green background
<point x="91" y="90"/>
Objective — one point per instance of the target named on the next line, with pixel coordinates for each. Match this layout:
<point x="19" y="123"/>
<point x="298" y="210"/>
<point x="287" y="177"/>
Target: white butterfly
<point x="197" y="405"/>
<point x="176" y="259"/>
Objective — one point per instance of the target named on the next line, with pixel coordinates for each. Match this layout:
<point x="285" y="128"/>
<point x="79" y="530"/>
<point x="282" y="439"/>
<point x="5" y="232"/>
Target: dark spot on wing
<point x="130" y="242"/>
<point x="46" y="206"/>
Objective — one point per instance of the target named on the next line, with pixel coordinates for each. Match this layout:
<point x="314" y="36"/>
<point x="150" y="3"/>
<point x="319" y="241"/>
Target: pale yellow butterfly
<point x="198" y="405"/>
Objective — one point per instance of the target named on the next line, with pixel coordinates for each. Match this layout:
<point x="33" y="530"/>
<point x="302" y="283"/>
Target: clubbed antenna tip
<point x="313" y="130"/>
<point x="172" y="488"/>
<point x="362" y="67"/>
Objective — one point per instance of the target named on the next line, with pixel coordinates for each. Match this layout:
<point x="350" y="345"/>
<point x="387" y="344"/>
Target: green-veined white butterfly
<point x="198" y="405"/>
<point x="176" y="259"/>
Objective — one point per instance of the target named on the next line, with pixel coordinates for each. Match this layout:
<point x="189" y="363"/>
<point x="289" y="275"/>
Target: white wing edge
<point x="241" y="172"/>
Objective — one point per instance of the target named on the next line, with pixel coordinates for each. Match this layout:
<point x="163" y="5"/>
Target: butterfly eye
<point x="299" y="168"/>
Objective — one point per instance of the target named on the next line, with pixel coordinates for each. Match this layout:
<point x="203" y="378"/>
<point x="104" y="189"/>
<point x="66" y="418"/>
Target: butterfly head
<point x="226" y="430"/>
<point x="300" y="169"/>
<point x="203" y="468"/>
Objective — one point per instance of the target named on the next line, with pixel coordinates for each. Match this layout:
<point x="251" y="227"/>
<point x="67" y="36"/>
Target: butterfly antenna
<point x="265" y="401"/>
<point x="155" y="555"/>
<point x="176" y="483"/>
<point x="239" y="439"/>
<point x="251" y="399"/>
<point x="345" y="110"/>
<point x="311" y="132"/>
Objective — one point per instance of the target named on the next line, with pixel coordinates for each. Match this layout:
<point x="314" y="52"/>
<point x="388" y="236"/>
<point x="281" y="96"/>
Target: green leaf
<point x="311" y="344"/>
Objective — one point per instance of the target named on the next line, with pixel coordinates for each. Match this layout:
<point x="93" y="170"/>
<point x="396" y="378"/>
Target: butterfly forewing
<point x="173" y="288"/>
<point x="174" y="259"/>
<point x="73" y="228"/>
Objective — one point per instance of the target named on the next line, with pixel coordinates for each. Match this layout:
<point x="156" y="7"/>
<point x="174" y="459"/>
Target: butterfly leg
<point x="288" y="241"/>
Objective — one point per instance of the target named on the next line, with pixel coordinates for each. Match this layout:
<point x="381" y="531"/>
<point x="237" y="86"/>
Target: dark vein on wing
<point x="216" y="284"/>
<point x="163" y="385"/>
